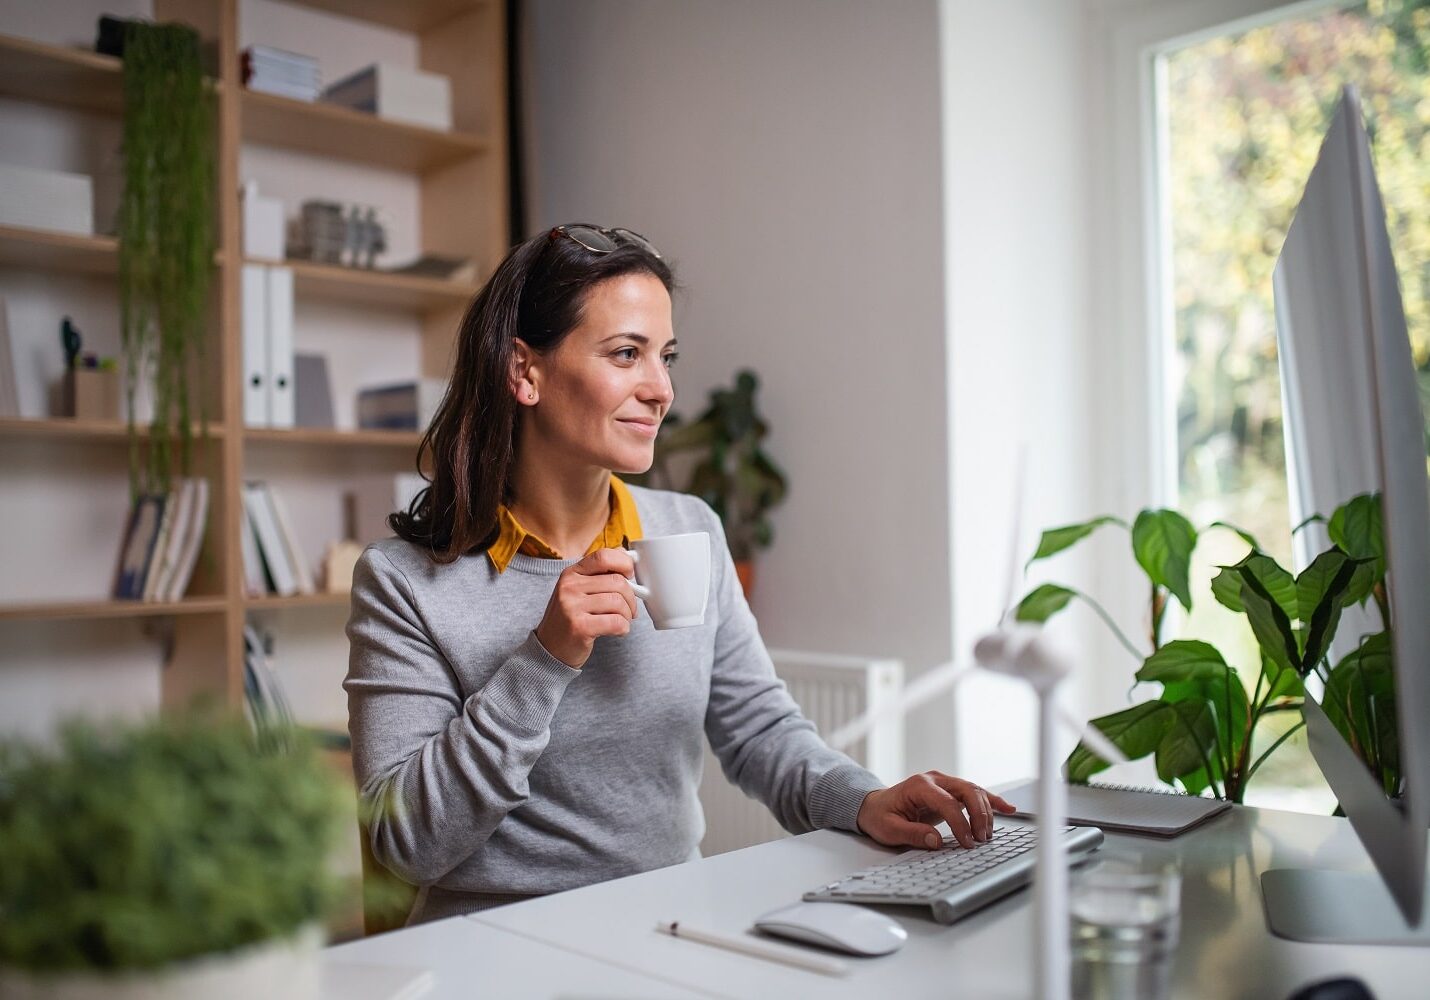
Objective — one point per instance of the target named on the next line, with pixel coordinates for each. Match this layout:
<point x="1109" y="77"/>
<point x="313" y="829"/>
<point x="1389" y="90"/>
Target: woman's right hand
<point x="591" y="598"/>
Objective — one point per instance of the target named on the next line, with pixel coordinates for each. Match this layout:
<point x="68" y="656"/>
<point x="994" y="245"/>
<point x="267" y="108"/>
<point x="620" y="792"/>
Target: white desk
<point x="1225" y="952"/>
<point x="469" y="960"/>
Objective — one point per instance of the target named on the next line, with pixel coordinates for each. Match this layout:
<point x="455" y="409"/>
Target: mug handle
<point x="641" y="591"/>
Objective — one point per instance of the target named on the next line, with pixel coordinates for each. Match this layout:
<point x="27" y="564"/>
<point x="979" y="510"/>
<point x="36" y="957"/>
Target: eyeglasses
<point x="599" y="240"/>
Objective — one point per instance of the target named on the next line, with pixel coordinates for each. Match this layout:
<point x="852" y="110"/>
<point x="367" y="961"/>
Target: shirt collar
<point x="622" y="526"/>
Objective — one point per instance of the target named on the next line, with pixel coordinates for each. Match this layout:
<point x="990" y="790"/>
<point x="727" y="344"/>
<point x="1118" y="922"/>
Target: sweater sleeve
<point x="437" y="773"/>
<point x="765" y="745"/>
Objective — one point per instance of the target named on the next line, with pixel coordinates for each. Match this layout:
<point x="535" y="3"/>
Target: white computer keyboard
<point x="956" y="880"/>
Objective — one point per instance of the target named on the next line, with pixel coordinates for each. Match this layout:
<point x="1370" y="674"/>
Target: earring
<point x="531" y="395"/>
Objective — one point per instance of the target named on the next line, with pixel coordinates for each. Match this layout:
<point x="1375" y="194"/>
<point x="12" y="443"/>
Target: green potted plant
<point x="1201" y="728"/>
<point x="175" y="858"/>
<point x="166" y="243"/>
<point x="732" y="472"/>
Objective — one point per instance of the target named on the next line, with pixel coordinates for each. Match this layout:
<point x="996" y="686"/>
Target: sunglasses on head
<point x="599" y="240"/>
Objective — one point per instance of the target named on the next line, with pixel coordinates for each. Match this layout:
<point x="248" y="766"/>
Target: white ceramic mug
<point x="673" y="578"/>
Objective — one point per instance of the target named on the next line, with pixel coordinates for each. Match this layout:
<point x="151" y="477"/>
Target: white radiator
<point x="830" y="690"/>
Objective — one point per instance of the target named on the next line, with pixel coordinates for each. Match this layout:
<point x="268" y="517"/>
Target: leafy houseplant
<point x="166" y="246"/>
<point x="1201" y="728"/>
<point x="133" y="853"/>
<point x="733" y="474"/>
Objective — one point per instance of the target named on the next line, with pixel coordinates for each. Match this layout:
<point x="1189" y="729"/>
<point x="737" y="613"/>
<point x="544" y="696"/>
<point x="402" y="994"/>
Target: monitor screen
<point x="1356" y="457"/>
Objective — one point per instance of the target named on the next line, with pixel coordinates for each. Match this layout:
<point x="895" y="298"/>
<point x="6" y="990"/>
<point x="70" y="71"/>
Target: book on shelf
<point x="286" y="74"/>
<point x="312" y="391"/>
<point x="402" y="406"/>
<point x="266" y="323"/>
<point x="266" y="704"/>
<point x="161" y="543"/>
<point x="137" y="550"/>
<point x="275" y="563"/>
<point x="9" y="388"/>
<point x="255" y="582"/>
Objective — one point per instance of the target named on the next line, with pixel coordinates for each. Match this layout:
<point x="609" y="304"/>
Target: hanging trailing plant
<point x="166" y="231"/>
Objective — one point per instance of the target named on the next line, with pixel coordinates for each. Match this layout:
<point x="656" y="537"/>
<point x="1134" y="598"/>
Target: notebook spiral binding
<point x="1137" y="788"/>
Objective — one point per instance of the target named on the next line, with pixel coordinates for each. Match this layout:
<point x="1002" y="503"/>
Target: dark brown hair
<point x="466" y="456"/>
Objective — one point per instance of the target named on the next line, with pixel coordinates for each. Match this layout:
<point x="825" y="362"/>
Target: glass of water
<point x="1125" y="923"/>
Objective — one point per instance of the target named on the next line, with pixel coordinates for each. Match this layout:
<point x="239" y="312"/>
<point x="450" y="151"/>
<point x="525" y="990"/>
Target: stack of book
<point x="272" y="561"/>
<point x="162" y="542"/>
<point x="287" y="74"/>
<point x="397" y="93"/>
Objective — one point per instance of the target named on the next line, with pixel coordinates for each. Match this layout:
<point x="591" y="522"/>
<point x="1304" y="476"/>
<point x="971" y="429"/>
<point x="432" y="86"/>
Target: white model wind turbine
<point x="1023" y="652"/>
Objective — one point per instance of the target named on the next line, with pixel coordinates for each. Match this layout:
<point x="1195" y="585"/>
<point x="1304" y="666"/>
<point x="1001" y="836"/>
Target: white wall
<point x="786" y="155"/>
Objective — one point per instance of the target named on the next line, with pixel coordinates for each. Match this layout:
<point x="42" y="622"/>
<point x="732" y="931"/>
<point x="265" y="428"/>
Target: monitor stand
<point x="1327" y="907"/>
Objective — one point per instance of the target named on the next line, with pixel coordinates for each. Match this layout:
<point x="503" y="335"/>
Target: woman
<point x="518" y="721"/>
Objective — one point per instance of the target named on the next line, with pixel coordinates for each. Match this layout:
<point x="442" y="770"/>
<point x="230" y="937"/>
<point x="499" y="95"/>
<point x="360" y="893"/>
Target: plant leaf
<point x="1281" y="683"/>
<point x="1223" y="693"/>
<point x="1042" y="603"/>
<point x="1278" y="583"/>
<point x="1360" y="693"/>
<point x="1356" y="528"/>
<point x="1269" y="623"/>
<point x="1136" y="731"/>
<point x="1162" y="541"/>
<point x="1054" y="540"/>
<point x="1327" y="581"/>
<point x="1183" y="660"/>
<point x="1190" y="739"/>
<point x="1246" y="536"/>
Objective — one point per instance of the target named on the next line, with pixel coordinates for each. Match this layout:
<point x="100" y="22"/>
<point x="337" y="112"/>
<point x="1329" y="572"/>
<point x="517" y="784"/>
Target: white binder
<point x="254" y="307"/>
<point x="280" y="347"/>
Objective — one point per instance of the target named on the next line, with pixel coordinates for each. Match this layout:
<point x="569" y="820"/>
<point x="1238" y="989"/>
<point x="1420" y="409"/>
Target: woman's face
<point x="603" y="391"/>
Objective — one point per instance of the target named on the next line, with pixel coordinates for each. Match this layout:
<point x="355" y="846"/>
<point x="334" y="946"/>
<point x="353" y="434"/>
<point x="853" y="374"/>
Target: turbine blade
<point x="918" y="692"/>
<point x="1090" y="735"/>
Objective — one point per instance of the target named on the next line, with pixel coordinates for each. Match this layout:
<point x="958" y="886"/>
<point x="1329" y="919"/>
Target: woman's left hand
<point x="904" y="814"/>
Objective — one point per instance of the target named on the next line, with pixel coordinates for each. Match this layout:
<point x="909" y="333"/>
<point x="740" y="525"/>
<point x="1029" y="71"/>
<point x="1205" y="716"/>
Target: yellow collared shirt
<point x="624" y="525"/>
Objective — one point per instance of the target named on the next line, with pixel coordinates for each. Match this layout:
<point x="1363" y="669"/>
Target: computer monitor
<point x="1354" y="427"/>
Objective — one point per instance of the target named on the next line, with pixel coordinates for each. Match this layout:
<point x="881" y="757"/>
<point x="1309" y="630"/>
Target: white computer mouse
<point x="841" y="926"/>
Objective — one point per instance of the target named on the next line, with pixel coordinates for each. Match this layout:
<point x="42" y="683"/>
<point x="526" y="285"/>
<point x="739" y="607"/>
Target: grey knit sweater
<point x="508" y="773"/>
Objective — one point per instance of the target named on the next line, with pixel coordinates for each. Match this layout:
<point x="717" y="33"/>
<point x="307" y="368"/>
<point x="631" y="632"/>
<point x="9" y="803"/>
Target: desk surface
<point x="604" y="934"/>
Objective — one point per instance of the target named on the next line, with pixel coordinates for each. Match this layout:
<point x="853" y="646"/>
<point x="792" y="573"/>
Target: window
<point x="1242" y="117"/>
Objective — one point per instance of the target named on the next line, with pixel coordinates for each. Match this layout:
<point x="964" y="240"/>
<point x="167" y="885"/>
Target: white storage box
<point x="262" y="225"/>
<point x="405" y="95"/>
<point x="46" y="199"/>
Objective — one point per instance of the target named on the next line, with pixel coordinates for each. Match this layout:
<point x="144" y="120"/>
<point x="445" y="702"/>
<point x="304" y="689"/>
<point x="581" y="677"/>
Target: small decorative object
<point x="733" y="474"/>
<point x="166" y="246"/>
<point x="91" y="385"/>
<point x="1201" y="728"/>
<point x="176" y="858"/>
<point x="339" y="560"/>
<point x="332" y="233"/>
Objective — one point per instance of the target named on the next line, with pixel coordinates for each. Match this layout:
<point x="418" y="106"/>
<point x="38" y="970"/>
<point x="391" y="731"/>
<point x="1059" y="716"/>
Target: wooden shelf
<point x="42" y="249"/>
<point x="36" y="71"/>
<point x="79" y="430"/>
<point x="374" y="288"/>
<point x="329" y="130"/>
<point x="275" y="603"/>
<point x="41" y="611"/>
<point x="327" y="437"/>
<point x="413" y="15"/>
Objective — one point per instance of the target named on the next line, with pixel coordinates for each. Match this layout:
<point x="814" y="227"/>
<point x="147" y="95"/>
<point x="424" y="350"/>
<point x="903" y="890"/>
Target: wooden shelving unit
<point x="328" y="130"/>
<point x="463" y="212"/>
<point x="64" y="428"/>
<point x="73" y="610"/>
<point x="375" y="288"/>
<point x="53" y="74"/>
<point x="323" y="438"/>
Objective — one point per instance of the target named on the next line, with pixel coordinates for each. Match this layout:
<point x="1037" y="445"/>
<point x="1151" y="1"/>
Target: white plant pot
<point x="287" y="969"/>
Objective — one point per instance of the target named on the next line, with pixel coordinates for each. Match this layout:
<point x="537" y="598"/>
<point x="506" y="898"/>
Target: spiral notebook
<point x="1155" y="811"/>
